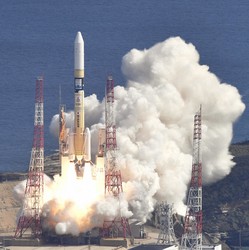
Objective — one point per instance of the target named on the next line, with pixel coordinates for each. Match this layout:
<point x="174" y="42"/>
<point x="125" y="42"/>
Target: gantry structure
<point x="119" y="226"/>
<point x="30" y="217"/>
<point x="192" y="236"/>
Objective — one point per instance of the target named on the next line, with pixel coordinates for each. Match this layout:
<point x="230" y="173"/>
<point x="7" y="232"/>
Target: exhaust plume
<point x="154" y="116"/>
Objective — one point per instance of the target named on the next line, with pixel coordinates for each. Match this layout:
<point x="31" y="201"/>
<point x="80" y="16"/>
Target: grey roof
<point x="150" y="247"/>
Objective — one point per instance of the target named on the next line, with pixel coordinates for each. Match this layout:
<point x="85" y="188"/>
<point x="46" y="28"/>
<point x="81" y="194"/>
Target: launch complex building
<point x="75" y="157"/>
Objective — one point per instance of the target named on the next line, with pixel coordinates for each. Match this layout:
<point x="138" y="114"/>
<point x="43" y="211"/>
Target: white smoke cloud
<point x="154" y="115"/>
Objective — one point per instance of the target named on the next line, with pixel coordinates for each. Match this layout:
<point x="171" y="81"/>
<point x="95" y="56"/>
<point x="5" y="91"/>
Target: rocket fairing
<point x="79" y="123"/>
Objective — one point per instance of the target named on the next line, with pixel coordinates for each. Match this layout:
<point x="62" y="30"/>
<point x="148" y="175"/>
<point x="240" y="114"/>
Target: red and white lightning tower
<point x="113" y="180"/>
<point x="31" y="211"/>
<point x="192" y="237"/>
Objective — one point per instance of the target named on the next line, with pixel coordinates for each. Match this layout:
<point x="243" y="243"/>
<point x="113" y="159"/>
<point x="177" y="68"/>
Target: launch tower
<point x="113" y="181"/>
<point x="33" y="200"/>
<point x="192" y="237"/>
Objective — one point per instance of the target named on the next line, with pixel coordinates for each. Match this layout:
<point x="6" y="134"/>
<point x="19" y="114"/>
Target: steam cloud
<point x="154" y="118"/>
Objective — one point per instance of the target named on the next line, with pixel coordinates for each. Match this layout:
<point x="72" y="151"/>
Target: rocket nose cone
<point x="79" y="38"/>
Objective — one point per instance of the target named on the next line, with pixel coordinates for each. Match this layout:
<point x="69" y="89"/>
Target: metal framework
<point x="33" y="200"/>
<point x="113" y="180"/>
<point x="192" y="237"/>
<point x="166" y="225"/>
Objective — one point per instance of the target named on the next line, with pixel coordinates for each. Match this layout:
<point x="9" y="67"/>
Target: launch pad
<point x="67" y="217"/>
<point x="67" y="207"/>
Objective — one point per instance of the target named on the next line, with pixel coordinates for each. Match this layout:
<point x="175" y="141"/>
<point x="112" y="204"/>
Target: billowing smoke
<point x="154" y="115"/>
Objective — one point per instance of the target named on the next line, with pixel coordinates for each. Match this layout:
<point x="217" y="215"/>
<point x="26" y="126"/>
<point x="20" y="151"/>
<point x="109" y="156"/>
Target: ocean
<point x="36" y="38"/>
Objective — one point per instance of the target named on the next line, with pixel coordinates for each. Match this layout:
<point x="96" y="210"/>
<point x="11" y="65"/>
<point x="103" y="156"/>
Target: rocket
<point x="82" y="136"/>
<point x="78" y="138"/>
<point x="79" y="121"/>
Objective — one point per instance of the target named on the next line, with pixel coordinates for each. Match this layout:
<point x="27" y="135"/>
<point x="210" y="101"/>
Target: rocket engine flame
<point x="154" y="118"/>
<point x="70" y="207"/>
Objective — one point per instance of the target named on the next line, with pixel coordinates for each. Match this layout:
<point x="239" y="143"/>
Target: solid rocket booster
<point x="87" y="145"/>
<point x="79" y="122"/>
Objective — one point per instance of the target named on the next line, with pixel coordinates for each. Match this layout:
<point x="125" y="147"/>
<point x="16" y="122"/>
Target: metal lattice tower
<point x="113" y="181"/>
<point x="166" y="225"/>
<point x="33" y="200"/>
<point x="192" y="237"/>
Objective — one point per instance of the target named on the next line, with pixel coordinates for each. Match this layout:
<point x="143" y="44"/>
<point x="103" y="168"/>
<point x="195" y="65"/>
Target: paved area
<point x="62" y="248"/>
<point x="151" y="238"/>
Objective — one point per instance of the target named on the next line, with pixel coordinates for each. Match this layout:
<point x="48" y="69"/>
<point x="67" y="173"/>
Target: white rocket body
<point x="79" y="137"/>
<point x="79" y="121"/>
